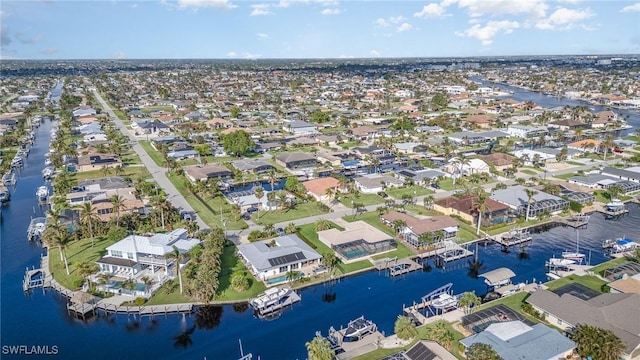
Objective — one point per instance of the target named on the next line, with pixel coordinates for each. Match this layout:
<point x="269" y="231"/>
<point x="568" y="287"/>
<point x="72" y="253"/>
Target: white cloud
<point x="250" y="56"/>
<point x="564" y="19"/>
<point x="262" y="36"/>
<point x="405" y="27"/>
<point x="374" y="53"/>
<point x="49" y="51"/>
<point x="397" y="19"/>
<point x="260" y="10"/>
<point x="331" y="11"/>
<point x="25" y="39"/>
<point x="382" y="22"/>
<point x="431" y="11"/>
<point x="287" y="3"/>
<point x="119" y="55"/>
<point x="232" y="54"/>
<point x="631" y="8"/>
<point x="218" y="4"/>
<point x="489" y="31"/>
<point x="533" y="8"/>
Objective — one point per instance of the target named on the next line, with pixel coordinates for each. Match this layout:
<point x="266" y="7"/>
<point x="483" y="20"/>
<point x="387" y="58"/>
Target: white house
<point x="276" y="257"/>
<point x="523" y="131"/>
<point x="299" y="127"/>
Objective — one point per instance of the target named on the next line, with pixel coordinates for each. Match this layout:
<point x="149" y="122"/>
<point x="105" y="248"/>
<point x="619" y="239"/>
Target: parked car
<point x="246" y="216"/>
<point x="383" y="194"/>
<point x="251" y="210"/>
<point x="280" y="231"/>
<point x="435" y="185"/>
<point x="187" y="216"/>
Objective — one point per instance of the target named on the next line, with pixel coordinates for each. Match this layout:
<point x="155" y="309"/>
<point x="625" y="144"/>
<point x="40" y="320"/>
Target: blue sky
<point x="223" y="29"/>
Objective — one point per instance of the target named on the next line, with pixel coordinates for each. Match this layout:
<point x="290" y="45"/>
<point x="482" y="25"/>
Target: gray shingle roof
<point x="290" y="250"/>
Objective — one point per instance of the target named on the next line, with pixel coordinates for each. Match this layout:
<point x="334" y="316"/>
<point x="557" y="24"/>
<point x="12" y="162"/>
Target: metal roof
<point x="498" y="275"/>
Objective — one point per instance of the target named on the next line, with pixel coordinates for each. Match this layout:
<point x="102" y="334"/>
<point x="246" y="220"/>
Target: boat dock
<point x="36" y="228"/>
<point x="33" y="278"/>
<point x="513" y="237"/>
<point x="345" y="346"/>
<point x="273" y="300"/>
<point x="427" y="307"/>
<point x="397" y="266"/>
<point x="576" y="222"/>
<point x="447" y="250"/>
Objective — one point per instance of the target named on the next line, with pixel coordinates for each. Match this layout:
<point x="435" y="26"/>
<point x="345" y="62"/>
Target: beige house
<point x="358" y="240"/>
<point x="97" y="161"/>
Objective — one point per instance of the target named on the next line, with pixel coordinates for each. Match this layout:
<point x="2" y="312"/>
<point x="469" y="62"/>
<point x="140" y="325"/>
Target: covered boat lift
<point x="498" y="277"/>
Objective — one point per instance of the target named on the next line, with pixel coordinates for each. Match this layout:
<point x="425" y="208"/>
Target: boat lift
<point x="428" y="299"/>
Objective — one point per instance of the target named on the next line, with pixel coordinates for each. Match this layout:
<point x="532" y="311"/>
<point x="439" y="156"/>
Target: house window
<point x="130" y="256"/>
<point x="294" y="266"/>
<point x="116" y="253"/>
<point x="283" y="269"/>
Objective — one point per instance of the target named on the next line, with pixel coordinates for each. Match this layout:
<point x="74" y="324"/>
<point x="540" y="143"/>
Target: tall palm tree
<point x="291" y="228"/>
<point x="259" y="192"/>
<point x="597" y="343"/>
<point x="58" y="235"/>
<point x="87" y="217"/>
<point x="530" y="193"/>
<point x="273" y="177"/>
<point x="176" y="255"/>
<point x="147" y="281"/>
<point x="480" y="204"/>
<point x="608" y="143"/>
<point x="117" y="203"/>
<point x="86" y="269"/>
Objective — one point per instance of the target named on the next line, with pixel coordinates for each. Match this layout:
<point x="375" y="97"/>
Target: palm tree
<point x="469" y="300"/>
<point x="322" y="224"/>
<point x="269" y="229"/>
<point x="426" y="238"/>
<point x="292" y="275"/>
<point x="329" y="193"/>
<point x="177" y="256"/>
<point x="87" y="217"/>
<point x="236" y="211"/>
<point x="530" y="193"/>
<point x="273" y="177"/>
<point x="398" y="225"/>
<point x="146" y="280"/>
<point x="608" y="143"/>
<point x="480" y="204"/>
<point x="291" y="228"/>
<point x="481" y="351"/>
<point x="597" y="343"/>
<point x="259" y="192"/>
<point x="404" y="328"/>
<point x="86" y="269"/>
<point x="57" y="235"/>
<point x="319" y="349"/>
<point x="271" y="198"/>
<point x="117" y="203"/>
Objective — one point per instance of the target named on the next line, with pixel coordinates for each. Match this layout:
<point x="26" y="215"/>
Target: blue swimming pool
<point x="277" y="280"/>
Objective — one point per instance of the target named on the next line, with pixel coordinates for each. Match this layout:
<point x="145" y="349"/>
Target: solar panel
<point x="287" y="259"/>
<point x="420" y="352"/>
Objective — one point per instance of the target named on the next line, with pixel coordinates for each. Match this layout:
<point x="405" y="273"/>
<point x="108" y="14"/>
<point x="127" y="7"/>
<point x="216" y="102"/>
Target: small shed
<point x="498" y="277"/>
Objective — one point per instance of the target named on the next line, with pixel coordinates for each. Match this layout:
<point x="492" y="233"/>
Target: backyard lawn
<point x="607" y="265"/>
<point x="565" y="176"/>
<point x="231" y="264"/>
<point x="403" y="251"/>
<point x="169" y="293"/>
<point x="282" y="215"/>
<point x="132" y="172"/>
<point x="77" y="252"/>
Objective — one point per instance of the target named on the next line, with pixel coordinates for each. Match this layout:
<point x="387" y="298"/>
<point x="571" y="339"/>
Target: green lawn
<point x="281" y="215"/>
<point x="401" y="252"/>
<point x="153" y="153"/>
<point x="420" y="210"/>
<point x="411" y="190"/>
<point x="169" y="293"/>
<point x="520" y="223"/>
<point x="132" y="172"/>
<point x="528" y="172"/>
<point x="77" y="252"/>
<point x="574" y="163"/>
<point x="231" y="264"/>
<point x="131" y="158"/>
<point x="209" y="210"/>
<point x="466" y="232"/>
<point x="589" y="281"/>
<point x="423" y="332"/>
<point x="599" y="269"/>
<point x="446" y="184"/>
<point x="371" y="218"/>
<point x="149" y="109"/>
<point x="603" y="197"/>
<point x="566" y="176"/>
<point x="365" y="199"/>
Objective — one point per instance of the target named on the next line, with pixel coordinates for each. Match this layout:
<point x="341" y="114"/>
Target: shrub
<point x="255" y="235"/>
<point x="116" y="233"/>
<point x="140" y="301"/>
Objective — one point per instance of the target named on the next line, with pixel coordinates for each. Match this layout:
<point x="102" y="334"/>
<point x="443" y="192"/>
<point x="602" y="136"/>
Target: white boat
<point x="574" y="255"/>
<point x="559" y="263"/>
<point x="615" y="205"/>
<point x="624" y="245"/>
<point x="48" y="172"/>
<point x="444" y="301"/>
<point x="5" y="196"/>
<point x="42" y="194"/>
<point x="274" y="299"/>
<point x="359" y="327"/>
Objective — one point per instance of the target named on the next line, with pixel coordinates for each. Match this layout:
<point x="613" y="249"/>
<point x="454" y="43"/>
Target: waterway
<point x="41" y="318"/>
<point x="548" y="102"/>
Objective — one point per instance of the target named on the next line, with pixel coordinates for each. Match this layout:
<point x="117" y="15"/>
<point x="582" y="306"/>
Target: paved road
<point x="158" y="172"/>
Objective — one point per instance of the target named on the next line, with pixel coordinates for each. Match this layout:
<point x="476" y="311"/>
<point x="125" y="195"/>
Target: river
<point x="40" y="318"/>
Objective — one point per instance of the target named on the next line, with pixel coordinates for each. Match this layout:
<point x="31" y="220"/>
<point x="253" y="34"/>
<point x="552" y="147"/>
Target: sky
<point x="242" y="29"/>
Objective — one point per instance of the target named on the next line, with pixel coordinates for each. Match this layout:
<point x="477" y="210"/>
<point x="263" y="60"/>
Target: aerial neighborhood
<point x="178" y="186"/>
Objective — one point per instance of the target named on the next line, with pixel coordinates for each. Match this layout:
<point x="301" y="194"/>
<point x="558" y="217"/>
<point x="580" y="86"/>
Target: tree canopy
<point x="597" y="343"/>
<point x="238" y="143"/>
<point x="320" y="117"/>
<point x="480" y="351"/>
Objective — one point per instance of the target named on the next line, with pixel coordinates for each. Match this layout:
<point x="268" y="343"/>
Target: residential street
<point x="158" y="172"/>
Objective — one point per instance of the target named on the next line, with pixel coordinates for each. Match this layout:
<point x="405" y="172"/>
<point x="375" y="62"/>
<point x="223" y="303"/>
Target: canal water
<point x="41" y="318"/>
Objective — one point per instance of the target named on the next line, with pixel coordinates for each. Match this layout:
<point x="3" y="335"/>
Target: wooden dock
<point x="397" y="266"/>
<point x="513" y="238"/>
<point x="574" y="222"/>
<point x="33" y="278"/>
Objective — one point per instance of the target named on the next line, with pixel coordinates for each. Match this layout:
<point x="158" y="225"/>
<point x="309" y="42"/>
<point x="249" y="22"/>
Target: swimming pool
<point x="276" y="280"/>
<point x="355" y="253"/>
<point x="116" y="284"/>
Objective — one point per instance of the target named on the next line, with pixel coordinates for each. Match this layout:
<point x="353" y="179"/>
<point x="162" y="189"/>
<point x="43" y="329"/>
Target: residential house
<point x="587" y="145"/>
<point x="421" y="177"/>
<point x="514" y="340"/>
<point x="567" y="124"/>
<point x="472" y="166"/>
<point x="318" y="187"/>
<point x="526" y="132"/>
<point x="516" y="198"/>
<point x="481" y="121"/>
<point x="299" y="127"/>
<point x="296" y="160"/>
<point x="374" y="183"/>
<point x="499" y="161"/>
<point x="276" y="257"/>
<point x="97" y="161"/>
<point x="357" y="240"/>
<point x="427" y="350"/>
<point x="629" y="174"/>
<point x="254" y="166"/>
<point x="414" y="228"/>
<point x="205" y="172"/>
<point x="409" y="147"/>
<point x="364" y="133"/>
<point x="135" y="253"/>
<point x="466" y="207"/>
<point x="618" y="313"/>
<point x="83" y="111"/>
<point x="626" y="285"/>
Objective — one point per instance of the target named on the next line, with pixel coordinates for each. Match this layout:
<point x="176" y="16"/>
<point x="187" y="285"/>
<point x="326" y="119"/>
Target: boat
<point x="615" y="205"/>
<point x="359" y="327"/>
<point x="36" y="227"/>
<point x="624" y="245"/>
<point x="444" y="301"/>
<point x="560" y="263"/>
<point x="608" y="243"/>
<point x="274" y="299"/>
<point x="5" y="196"/>
<point x="42" y="194"/>
<point x="574" y="255"/>
<point x="9" y="178"/>
<point x="48" y="172"/>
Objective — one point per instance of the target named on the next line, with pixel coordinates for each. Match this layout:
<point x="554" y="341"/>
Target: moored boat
<point x="42" y="193"/>
<point x="615" y="205"/>
<point x="444" y="301"/>
<point x="358" y="328"/>
<point x="274" y="299"/>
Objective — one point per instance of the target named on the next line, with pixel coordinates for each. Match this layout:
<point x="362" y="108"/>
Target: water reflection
<point x="208" y="317"/>
<point x="240" y="307"/>
<point x="184" y="339"/>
